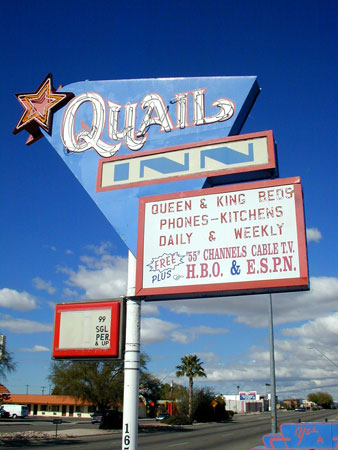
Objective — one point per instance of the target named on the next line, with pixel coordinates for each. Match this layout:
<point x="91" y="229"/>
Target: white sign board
<point x="227" y="240"/>
<point x="85" y="329"/>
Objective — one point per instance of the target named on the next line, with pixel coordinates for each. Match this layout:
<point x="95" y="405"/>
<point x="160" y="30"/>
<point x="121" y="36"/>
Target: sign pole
<point x="272" y="371"/>
<point x="131" y="363"/>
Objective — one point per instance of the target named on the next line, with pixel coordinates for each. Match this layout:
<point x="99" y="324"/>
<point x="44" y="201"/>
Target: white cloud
<point x="184" y="336"/>
<point x="299" y="369"/>
<point x="43" y="285"/>
<point x="207" y="330"/>
<point x="20" y="301"/>
<point x="181" y="337"/>
<point x="323" y="330"/>
<point x="22" y="326"/>
<point x="313" y="234"/>
<point x="149" y="309"/>
<point x="67" y="292"/>
<point x="252" y="310"/>
<point x="50" y="247"/>
<point x="101" y="249"/>
<point x="291" y="368"/>
<point x="155" y="330"/>
<point x="208" y="357"/>
<point x="104" y="277"/>
<point x="35" y="349"/>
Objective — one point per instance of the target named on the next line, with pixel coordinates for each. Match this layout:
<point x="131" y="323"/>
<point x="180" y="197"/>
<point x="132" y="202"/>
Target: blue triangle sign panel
<point x="111" y="119"/>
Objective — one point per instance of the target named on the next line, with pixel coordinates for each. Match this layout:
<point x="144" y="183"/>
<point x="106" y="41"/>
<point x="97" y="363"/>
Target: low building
<point x="58" y="405"/>
<point x="292" y="403"/>
<point x="52" y="405"/>
<point x="246" y="402"/>
<point x="4" y="393"/>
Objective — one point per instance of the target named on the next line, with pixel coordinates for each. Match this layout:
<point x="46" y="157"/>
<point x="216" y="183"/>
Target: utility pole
<point x="272" y="371"/>
<point x="131" y="362"/>
<point x="43" y="389"/>
<point x="266" y="394"/>
<point x="27" y="386"/>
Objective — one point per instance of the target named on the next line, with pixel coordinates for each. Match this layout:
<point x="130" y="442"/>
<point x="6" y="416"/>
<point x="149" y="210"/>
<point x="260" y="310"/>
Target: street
<point x="243" y="433"/>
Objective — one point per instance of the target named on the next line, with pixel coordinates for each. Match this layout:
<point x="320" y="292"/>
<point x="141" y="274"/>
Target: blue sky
<point x="57" y="246"/>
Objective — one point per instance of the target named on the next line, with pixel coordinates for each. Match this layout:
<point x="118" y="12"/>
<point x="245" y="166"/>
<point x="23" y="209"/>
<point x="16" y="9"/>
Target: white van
<point x="16" y="410"/>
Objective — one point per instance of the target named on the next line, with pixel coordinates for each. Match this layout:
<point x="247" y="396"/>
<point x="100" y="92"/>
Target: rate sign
<point x="245" y="238"/>
<point x="88" y="330"/>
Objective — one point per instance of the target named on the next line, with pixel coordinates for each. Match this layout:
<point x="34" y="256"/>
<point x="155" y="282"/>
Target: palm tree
<point x="191" y="367"/>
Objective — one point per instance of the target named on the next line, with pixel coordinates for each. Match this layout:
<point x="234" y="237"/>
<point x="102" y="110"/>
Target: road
<point x="243" y="433"/>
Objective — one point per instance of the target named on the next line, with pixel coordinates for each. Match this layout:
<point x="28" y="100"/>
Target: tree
<point x="100" y="383"/>
<point x="7" y="363"/>
<point x="150" y="389"/>
<point x="174" y="391"/>
<point x="207" y="407"/>
<point x="191" y="367"/>
<point x="323" y="399"/>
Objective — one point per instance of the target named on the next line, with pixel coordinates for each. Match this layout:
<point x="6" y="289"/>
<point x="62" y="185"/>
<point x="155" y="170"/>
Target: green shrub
<point x="178" y="419"/>
<point x="230" y="415"/>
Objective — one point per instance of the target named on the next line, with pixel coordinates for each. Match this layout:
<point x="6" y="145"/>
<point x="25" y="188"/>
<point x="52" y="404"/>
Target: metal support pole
<point x="272" y="371"/>
<point x="131" y="363"/>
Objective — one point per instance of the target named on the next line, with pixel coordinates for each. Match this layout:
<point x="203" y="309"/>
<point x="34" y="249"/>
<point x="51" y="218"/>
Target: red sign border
<point x="270" y="166"/>
<point x="114" y="351"/>
<point x="235" y="288"/>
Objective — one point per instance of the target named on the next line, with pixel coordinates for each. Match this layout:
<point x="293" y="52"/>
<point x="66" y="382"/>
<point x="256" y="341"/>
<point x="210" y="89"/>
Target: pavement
<point x="28" y="438"/>
<point x="14" y="437"/>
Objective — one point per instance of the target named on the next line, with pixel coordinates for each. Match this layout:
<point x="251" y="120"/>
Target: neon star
<point x="39" y="107"/>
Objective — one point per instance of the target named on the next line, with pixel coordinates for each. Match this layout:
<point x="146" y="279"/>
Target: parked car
<point x="96" y="416"/>
<point x="300" y="409"/>
<point x="111" y="419"/>
<point x="163" y="416"/>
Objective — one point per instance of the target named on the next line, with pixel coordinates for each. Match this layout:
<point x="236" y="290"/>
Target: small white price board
<point x="87" y="330"/>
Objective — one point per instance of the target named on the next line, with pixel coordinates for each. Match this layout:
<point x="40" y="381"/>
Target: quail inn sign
<point x="157" y="156"/>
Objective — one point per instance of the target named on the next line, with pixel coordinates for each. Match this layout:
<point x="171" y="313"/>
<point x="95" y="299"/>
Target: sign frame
<point x="232" y="288"/>
<point x="214" y="176"/>
<point x="117" y="331"/>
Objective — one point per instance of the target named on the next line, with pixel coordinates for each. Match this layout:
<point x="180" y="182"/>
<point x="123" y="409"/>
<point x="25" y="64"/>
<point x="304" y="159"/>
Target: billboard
<point x="248" y="396"/>
<point x="89" y="330"/>
<point x="238" y="239"/>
